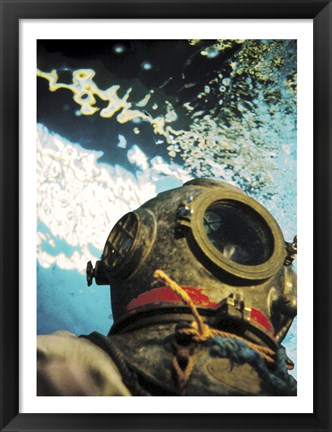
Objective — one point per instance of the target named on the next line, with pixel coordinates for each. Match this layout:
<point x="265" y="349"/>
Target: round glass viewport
<point x="238" y="232"/>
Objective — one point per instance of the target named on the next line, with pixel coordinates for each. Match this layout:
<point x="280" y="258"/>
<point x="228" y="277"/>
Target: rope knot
<point x="221" y="343"/>
<point x="201" y="332"/>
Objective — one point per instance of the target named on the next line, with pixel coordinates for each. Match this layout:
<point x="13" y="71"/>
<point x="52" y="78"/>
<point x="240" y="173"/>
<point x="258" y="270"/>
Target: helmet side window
<point x="121" y="240"/>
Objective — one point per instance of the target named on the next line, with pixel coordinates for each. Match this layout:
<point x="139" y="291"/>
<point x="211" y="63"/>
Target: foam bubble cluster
<point x="85" y="90"/>
<point x="79" y="200"/>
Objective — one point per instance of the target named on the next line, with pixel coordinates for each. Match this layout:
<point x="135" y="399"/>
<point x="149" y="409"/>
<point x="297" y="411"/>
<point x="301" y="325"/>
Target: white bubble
<point x="171" y="116"/>
<point x="137" y="157"/>
<point x="122" y="141"/>
<point x="146" y="65"/>
<point x="119" y="48"/>
<point x="210" y="52"/>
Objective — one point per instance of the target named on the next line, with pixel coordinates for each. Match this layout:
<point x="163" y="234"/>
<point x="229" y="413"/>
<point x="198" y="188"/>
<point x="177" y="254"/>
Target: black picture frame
<point x="12" y="11"/>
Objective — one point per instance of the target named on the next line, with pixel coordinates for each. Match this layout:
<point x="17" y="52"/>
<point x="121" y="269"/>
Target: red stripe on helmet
<point x="258" y="316"/>
<point x="166" y="295"/>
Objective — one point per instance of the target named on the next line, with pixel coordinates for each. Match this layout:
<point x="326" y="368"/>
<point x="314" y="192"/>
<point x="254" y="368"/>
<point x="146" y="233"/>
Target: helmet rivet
<point x="186" y="211"/>
<point x="90" y="273"/>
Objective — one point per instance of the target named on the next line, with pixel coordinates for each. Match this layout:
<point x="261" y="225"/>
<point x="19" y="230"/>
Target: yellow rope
<point x="183" y="375"/>
<point x="160" y="275"/>
<point x="200" y="331"/>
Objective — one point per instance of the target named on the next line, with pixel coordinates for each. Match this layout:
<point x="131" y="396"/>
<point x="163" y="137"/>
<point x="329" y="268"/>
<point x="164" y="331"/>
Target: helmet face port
<point x="238" y="232"/>
<point x="231" y="232"/>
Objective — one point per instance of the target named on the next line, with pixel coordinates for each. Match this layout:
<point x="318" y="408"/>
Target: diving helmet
<point x="220" y="245"/>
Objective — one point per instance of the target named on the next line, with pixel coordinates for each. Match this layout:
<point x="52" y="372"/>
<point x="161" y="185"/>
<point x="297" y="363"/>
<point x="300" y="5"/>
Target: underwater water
<point x="121" y="121"/>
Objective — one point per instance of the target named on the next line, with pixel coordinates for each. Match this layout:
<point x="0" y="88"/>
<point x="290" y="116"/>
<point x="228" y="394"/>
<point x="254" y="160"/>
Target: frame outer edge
<point x="322" y="216"/>
<point x="9" y="215"/>
<point x="9" y="191"/>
